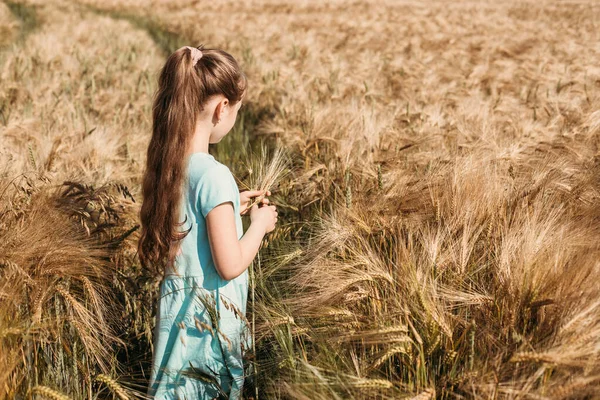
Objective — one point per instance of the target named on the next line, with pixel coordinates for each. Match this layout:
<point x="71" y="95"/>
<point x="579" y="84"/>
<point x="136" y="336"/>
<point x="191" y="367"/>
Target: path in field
<point x="77" y="89"/>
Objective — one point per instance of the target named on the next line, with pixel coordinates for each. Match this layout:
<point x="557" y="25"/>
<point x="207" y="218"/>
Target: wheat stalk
<point x="533" y="356"/>
<point x="201" y="326"/>
<point x="398" y="349"/>
<point x="266" y="176"/>
<point x="365" y="383"/>
<point x="48" y="392"/>
<point x="87" y="284"/>
<point x="113" y="385"/>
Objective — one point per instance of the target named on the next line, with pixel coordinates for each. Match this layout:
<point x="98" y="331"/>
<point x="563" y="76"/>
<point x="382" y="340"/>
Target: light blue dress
<point x="198" y="355"/>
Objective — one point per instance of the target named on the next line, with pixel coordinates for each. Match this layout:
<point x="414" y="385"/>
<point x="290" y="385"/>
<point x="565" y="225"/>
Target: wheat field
<point x="439" y="205"/>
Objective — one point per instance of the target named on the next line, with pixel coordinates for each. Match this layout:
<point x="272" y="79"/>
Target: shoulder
<point x="212" y="185"/>
<point x="207" y="169"/>
<point x="211" y="177"/>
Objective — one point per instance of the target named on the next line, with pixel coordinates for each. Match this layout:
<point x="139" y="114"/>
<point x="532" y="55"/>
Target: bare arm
<point x="231" y="256"/>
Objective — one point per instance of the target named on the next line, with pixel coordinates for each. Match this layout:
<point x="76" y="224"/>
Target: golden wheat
<point x="113" y="385"/>
<point x="48" y="392"/>
<point x="445" y="181"/>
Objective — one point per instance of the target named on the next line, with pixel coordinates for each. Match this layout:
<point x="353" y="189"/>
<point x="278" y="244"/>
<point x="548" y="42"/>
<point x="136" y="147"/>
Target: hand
<point x="266" y="215"/>
<point x="247" y="195"/>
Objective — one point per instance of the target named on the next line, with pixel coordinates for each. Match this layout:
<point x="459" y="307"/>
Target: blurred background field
<point x="440" y="222"/>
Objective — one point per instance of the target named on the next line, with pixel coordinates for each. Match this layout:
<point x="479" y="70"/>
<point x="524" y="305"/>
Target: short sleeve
<point x="214" y="188"/>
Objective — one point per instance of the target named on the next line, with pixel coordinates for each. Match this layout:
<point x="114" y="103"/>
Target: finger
<point x="254" y="193"/>
<point x="265" y="200"/>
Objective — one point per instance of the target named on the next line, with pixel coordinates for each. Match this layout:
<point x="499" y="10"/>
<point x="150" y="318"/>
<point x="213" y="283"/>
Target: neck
<point x="201" y="138"/>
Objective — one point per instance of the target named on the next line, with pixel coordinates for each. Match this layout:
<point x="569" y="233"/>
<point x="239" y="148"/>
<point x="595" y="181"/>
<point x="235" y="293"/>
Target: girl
<point x="199" y="334"/>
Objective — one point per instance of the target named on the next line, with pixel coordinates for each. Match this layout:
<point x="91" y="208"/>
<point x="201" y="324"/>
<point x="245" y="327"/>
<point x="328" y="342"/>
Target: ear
<point x="221" y="110"/>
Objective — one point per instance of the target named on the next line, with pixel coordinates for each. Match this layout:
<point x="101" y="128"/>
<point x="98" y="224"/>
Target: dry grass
<point x="438" y="224"/>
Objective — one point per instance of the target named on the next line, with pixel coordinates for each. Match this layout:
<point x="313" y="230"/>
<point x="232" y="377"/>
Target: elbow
<point x="229" y="269"/>
<point x="227" y="263"/>
<point x="226" y="273"/>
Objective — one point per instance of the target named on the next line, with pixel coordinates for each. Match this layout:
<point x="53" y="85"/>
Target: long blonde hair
<point x="183" y="89"/>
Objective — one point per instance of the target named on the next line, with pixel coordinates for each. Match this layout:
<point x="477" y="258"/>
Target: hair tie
<point x="196" y="54"/>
